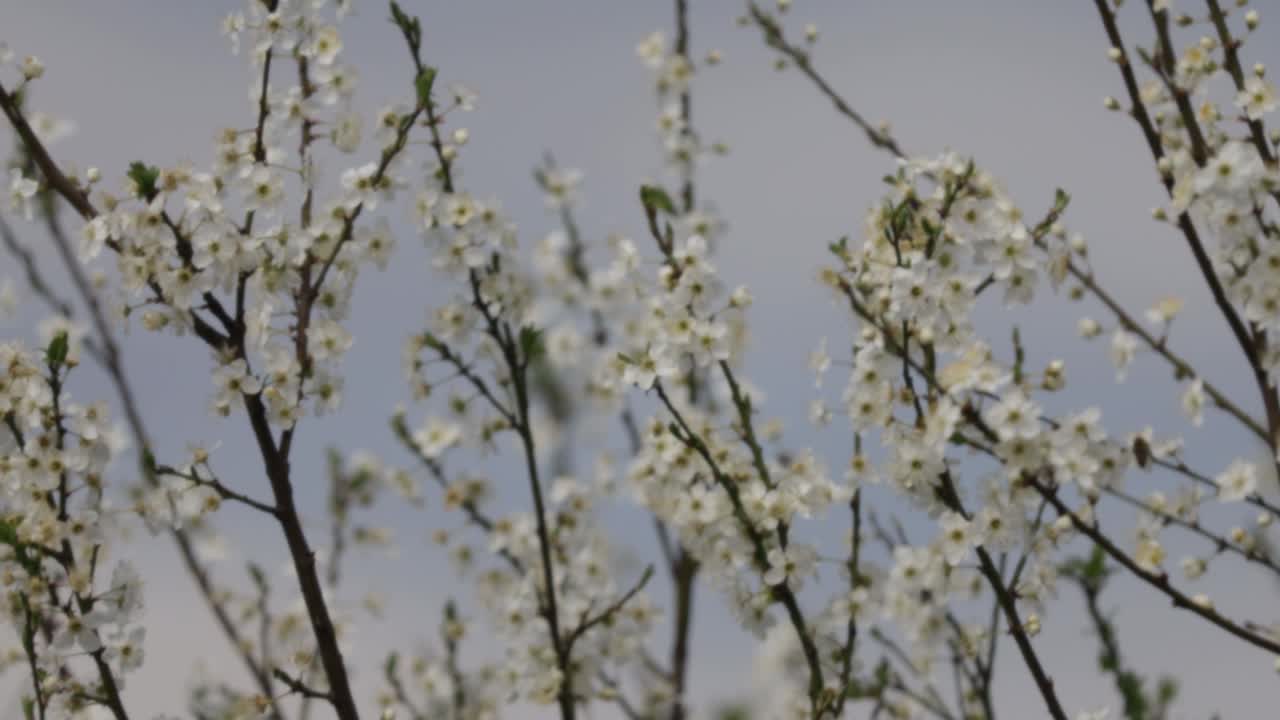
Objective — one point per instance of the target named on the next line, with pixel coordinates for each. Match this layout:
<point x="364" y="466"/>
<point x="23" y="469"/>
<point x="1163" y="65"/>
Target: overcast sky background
<point x="1017" y="84"/>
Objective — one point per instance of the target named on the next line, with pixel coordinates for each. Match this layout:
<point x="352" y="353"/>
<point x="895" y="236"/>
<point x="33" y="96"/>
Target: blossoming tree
<point x="255" y="255"/>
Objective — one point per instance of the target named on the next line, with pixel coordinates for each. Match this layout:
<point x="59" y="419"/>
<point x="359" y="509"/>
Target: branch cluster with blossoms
<point x="257" y="256"/>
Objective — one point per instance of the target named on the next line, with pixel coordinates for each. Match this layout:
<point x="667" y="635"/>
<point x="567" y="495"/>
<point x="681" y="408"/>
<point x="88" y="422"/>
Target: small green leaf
<point x="145" y="178"/>
<point x="431" y="341"/>
<point x="56" y="354"/>
<point x="397" y="15"/>
<point x="426" y="79"/>
<point x="1060" y="200"/>
<point x="655" y="199"/>
<point x="531" y="344"/>
<point x="8" y="534"/>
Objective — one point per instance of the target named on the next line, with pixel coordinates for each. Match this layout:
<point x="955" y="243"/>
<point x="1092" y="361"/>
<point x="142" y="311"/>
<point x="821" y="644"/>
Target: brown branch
<point x="217" y="486"/>
<point x="774" y="38"/>
<point x="589" y="621"/>
<point x="297" y="686"/>
<point x="781" y="592"/>
<point x="1252" y="351"/>
<point x="1220" y="543"/>
<point x="53" y="175"/>
<point x="1159" y="581"/>
<point x="1231" y="61"/>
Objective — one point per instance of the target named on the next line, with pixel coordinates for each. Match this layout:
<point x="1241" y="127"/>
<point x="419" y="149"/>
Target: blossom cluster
<point x="81" y="632"/>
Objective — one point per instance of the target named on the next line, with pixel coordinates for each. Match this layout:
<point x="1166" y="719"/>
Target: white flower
<point x="264" y="189"/>
<point x="1193" y="402"/>
<point x="1237" y="482"/>
<point x="1193" y="567"/>
<point x="819" y="362"/>
<point x="347" y="129"/>
<point x="32" y="68"/>
<point x="1257" y="98"/>
<point x="1015" y="417"/>
<point x="325" y="46"/>
<point x="81" y="630"/>
<point x="560" y="186"/>
<point x="463" y="98"/>
<point x="957" y="537"/>
<point x="234" y="380"/>
<point x="1123" y="348"/>
<point x="1164" y="311"/>
<point x="436" y="437"/>
<point x="795" y="563"/>
<point x="328" y="339"/>
<point x="1088" y="328"/>
<point x="1149" y="555"/>
<point x="232" y="26"/>
<point x="124" y="648"/>
<point x="655" y="364"/>
<point x="1235" y="168"/>
<point x="652" y="49"/>
<point x="21" y="192"/>
<point x="93" y="236"/>
<point x="819" y="414"/>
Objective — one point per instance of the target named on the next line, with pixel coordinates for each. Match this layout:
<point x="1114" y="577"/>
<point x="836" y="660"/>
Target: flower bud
<point x="1088" y="328"/>
<point x="31" y="67"/>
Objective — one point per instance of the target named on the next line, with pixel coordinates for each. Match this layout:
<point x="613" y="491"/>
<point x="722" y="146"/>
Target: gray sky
<point x="1018" y="84"/>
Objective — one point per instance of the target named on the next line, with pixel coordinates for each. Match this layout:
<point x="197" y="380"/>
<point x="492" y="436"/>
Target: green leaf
<point x="1061" y="199"/>
<point x="8" y="533"/>
<point x="1167" y="690"/>
<point x="397" y="15"/>
<point x="531" y="342"/>
<point x="655" y="199"/>
<point x="389" y="668"/>
<point x="901" y="218"/>
<point x="145" y="178"/>
<point x="56" y="354"/>
<point x="9" y="536"/>
<point x="426" y="79"/>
